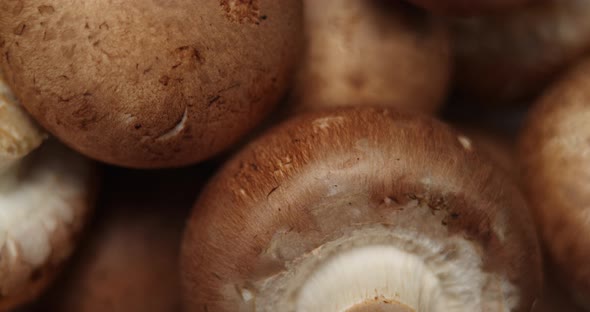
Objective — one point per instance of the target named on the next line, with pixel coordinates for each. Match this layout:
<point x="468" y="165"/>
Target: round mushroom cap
<point x="19" y="135"/>
<point x="373" y="52"/>
<point x="510" y="58"/>
<point x="333" y="209"/>
<point x="44" y="202"/>
<point x="149" y="84"/>
<point x="470" y="7"/>
<point x="555" y="158"/>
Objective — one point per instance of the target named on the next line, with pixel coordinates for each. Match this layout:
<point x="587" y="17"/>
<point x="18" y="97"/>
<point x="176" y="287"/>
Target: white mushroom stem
<point x="370" y="275"/>
<point x="389" y="269"/>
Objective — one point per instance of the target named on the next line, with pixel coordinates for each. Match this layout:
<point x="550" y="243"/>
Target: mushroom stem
<point x="399" y="280"/>
<point x="378" y="264"/>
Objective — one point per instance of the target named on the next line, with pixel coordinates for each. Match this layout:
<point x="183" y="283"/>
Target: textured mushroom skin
<point x="469" y="7"/>
<point x="145" y="83"/>
<point x="373" y="52"/>
<point x="43" y="207"/>
<point x="19" y="135"/>
<point x="309" y="180"/>
<point x="508" y="58"/>
<point x="555" y="156"/>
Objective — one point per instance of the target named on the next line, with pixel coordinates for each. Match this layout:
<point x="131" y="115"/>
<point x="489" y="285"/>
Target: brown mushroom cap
<point x="149" y="83"/>
<point x="469" y="7"/>
<point x="509" y="58"/>
<point x="129" y="262"/>
<point x="555" y="156"/>
<point x="328" y="184"/>
<point x="373" y="52"/>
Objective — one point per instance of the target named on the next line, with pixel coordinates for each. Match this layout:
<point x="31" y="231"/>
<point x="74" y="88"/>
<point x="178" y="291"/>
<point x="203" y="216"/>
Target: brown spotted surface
<point x="149" y="83"/>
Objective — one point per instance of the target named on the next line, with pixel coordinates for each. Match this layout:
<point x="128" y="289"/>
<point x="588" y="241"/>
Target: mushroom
<point x="555" y="157"/>
<point x="509" y="58"/>
<point x="129" y="262"/>
<point x="149" y="84"/>
<point x="470" y="7"/>
<point x="358" y="209"/>
<point x="45" y="197"/>
<point x="373" y="52"/>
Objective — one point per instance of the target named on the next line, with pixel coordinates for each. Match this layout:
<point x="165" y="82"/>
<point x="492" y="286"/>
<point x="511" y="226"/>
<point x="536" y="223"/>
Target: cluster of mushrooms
<point x="295" y="155"/>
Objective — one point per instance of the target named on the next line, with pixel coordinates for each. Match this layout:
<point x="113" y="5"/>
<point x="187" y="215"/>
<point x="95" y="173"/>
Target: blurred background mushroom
<point x="373" y="52"/>
<point x="554" y="152"/>
<point x="508" y="58"/>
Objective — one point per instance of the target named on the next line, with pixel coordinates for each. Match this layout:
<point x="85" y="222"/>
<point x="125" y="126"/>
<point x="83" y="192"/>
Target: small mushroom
<point x="149" y="83"/>
<point x="44" y="200"/>
<point x="555" y="158"/>
<point x="359" y="209"/>
<point x="373" y="52"/>
<point x="129" y="262"/>
<point x="509" y="58"/>
<point x="470" y="7"/>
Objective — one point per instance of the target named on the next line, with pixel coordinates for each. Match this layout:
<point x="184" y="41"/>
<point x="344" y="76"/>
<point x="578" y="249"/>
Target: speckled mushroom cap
<point x="144" y="83"/>
<point x="360" y="206"/>
<point x="44" y="199"/>
<point x="373" y="52"/>
<point x="509" y="58"/>
<point x="470" y="7"/>
<point x="555" y="159"/>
